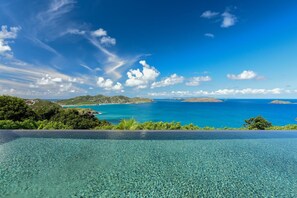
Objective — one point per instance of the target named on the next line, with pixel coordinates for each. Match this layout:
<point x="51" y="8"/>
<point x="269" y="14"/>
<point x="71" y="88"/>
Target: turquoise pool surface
<point x="129" y="165"/>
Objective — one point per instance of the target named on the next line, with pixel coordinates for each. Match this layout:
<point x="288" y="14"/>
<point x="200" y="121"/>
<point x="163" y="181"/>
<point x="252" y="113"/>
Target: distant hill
<point x="280" y="102"/>
<point x="101" y="99"/>
<point x="202" y="100"/>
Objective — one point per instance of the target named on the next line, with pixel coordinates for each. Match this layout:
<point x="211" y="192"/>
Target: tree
<point x="13" y="108"/>
<point x="257" y="123"/>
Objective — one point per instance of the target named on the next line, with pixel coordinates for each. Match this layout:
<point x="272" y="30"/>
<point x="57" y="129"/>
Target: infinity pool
<point x="148" y="164"/>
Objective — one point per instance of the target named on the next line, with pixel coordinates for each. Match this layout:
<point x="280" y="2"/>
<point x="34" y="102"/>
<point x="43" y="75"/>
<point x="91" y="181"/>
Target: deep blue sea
<point x="230" y="113"/>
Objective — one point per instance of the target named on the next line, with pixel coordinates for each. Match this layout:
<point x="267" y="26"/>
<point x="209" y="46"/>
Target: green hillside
<point x="101" y="99"/>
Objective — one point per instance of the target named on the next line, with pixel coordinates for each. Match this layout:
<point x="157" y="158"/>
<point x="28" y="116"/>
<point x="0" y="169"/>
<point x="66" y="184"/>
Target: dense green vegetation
<point x="258" y="123"/>
<point x="101" y="99"/>
<point x="40" y="114"/>
<point x="15" y="109"/>
<point x="45" y="109"/>
<point x="132" y="124"/>
<point x="17" y="113"/>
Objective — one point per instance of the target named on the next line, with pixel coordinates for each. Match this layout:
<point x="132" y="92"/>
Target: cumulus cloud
<point x="141" y="79"/>
<point x="99" y="33"/>
<point x="66" y="87"/>
<point x="210" y="35"/>
<point x="220" y="92"/>
<point x="58" y="84"/>
<point x="228" y="19"/>
<point x="104" y="38"/>
<point x="109" y="85"/>
<point x="171" y="80"/>
<point x="107" y="40"/>
<point x="195" y="81"/>
<point x="6" y="34"/>
<point x="209" y="14"/>
<point x="245" y="75"/>
<point x="47" y="80"/>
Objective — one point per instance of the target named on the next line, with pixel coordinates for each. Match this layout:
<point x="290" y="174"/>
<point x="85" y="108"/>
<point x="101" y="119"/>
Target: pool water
<point x="204" y="167"/>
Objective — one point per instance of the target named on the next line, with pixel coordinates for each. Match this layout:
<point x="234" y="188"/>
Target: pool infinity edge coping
<point x="10" y="135"/>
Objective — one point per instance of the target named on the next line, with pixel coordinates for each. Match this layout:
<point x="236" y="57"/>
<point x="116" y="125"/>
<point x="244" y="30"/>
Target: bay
<point x="230" y="113"/>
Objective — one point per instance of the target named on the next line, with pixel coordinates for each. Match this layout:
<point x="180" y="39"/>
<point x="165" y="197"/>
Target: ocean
<point x="230" y="113"/>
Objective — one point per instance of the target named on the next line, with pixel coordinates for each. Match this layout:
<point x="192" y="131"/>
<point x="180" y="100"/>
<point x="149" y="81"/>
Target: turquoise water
<point x="230" y="113"/>
<point x="59" y="167"/>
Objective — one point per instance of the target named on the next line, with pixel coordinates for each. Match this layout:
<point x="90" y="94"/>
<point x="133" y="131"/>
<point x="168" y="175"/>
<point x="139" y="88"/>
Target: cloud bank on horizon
<point x="62" y="48"/>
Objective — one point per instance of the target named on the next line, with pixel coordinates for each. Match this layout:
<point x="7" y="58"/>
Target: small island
<point x="101" y="99"/>
<point x="202" y="100"/>
<point x="280" y="102"/>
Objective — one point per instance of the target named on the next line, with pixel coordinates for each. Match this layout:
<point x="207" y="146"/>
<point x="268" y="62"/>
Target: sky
<point x="151" y="48"/>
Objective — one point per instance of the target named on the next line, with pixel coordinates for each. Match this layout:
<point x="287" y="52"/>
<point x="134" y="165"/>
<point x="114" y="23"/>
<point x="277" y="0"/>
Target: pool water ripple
<point x="46" y="167"/>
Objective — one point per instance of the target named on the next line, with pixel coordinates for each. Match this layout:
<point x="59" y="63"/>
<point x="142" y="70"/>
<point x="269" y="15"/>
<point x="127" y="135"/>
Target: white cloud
<point x="50" y="23"/>
<point x="56" y="9"/>
<point x="220" y="92"/>
<point x="56" y="83"/>
<point x="48" y="80"/>
<point x="33" y="81"/>
<point x="107" y="40"/>
<point x="66" y="87"/>
<point x="228" y="19"/>
<point x="246" y="91"/>
<point x="109" y="85"/>
<point x="113" y="62"/>
<point x="75" y="31"/>
<point x="90" y="69"/>
<point x="4" y="47"/>
<point x="209" y="14"/>
<point x="58" y="4"/>
<point x="210" y="35"/>
<point x="171" y="80"/>
<point x="7" y="34"/>
<point x="195" y="81"/>
<point x="45" y="46"/>
<point x="245" y="75"/>
<point x="99" y="33"/>
<point x="104" y="38"/>
<point x="57" y="80"/>
<point x="141" y="79"/>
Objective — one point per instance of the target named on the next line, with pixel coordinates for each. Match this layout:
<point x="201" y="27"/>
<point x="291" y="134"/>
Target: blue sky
<point x="149" y="48"/>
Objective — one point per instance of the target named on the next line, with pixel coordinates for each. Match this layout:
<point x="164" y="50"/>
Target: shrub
<point x="190" y="127"/>
<point x="50" y="125"/>
<point x="8" y="124"/>
<point x="27" y="124"/>
<point x="287" y="127"/>
<point x="130" y="124"/>
<point x="257" y="123"/>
